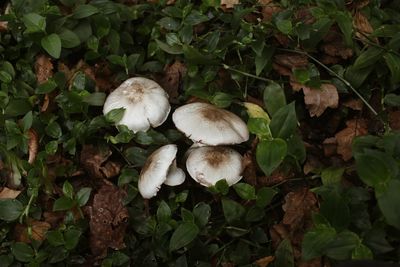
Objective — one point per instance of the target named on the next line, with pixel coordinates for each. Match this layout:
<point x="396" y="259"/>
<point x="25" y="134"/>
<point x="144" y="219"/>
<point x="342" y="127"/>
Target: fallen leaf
<point x="298" y="208"/>
<point x="94" y="160"/>
<point x="312" y="164"/>
<point x="334" y="46"/>
<point x="108" y="219"/>
<point x="291" y="61"/>
<point x="330" y="146"/>
<point x="268" y="9"/>
<point x="394" y="120"/>
<point x="33" y="145"/>
<point x="264" y="262"/>
<point x="3" y="26"/>
<point x="53" y="218"/>
<point x="344" y="138"/>
<point x="229" y="3"/>
<point x="318" y="100"/>
<point x="172" y="79"/>
<point x="317" y="262"/>
<point x="9" y="193"/>
<point x="362" y="26"/>
<point x="43" y="68"/>
<point x="354" y="104"/>
<point x="34" y="230"/>
<point x="250" y="169"/>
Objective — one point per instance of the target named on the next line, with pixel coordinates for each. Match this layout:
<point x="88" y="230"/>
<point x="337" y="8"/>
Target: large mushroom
<point x="207" y="124"/>
<point x="160" y="168"/>
<point x="207" y="165"/>
<point x="145" y="102"/>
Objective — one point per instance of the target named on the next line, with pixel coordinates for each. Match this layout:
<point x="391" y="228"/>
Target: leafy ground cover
<point x="315" y="80"/>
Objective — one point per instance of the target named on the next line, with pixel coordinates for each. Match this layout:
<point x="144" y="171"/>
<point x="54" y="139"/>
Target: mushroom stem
<point x="175" y="175"/>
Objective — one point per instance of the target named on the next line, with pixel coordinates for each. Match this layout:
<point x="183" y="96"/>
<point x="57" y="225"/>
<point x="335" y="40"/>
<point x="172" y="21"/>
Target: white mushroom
<point x="145" y="102"/>
<point x="207" y="165"/>
<point x="159" y="168"/>
<point x="209" y="125"/>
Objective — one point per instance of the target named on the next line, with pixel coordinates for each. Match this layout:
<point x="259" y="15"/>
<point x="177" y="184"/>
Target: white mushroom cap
<point x="207" y="124"/>
<point x="158" y="166"/>
<point x="207" y="165"/>
<point x="145" y="102"/>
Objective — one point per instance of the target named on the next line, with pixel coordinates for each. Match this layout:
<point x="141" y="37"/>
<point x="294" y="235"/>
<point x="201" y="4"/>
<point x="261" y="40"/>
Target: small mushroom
<point x="207" y="124"/>
<point x="160" y="167"/>
<point x="145" y="102"/>
<point x="207" y="165"/>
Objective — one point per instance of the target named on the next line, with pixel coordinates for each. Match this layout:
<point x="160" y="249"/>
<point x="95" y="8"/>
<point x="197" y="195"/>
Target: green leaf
<point x="183" y="235"/>
<point x="55" y="238"/>
<point x="284" y="26"/>
<point x="163" y="212"/>
<point x="262" y="60"/>
<point x="357" y="76"/>
<point x="222" y="186"/>
<point x="18" y="107"/>
<point x="5" y="77"/>
<point x="316" y="240"/>
<point x="34" y="23"/>
<point x="265" y="196"/>
<point x="345" y="22"/>
<point x="82" y="196"/>
<point x="284" y="122"/>
<point x="22" y="252"/>
<point x="270" y="154"/>
<point x="393" y="62"/>
<point x="63" y="203"/>
<point x="95" y="99"/>
<point x="84" y="11"/>
<point x="389" y="202"/>
<point x="10" y="209"/>
<point x="368" y="57"/>
<point x="115" y="115"/>
<point x="336" y="210"/>
<point x="274" y="98"/>
<point x="169" y="23"/>
<point x="372" y="169"/>
<point x="245" y="191"/>
<point x="68" y="190"/>
<point x="332" y="175"/>
<point x="69" y="39"/>
<point x="53" y="129"/>
<point x="195" y="17"/>
<point x="27" y="121"/>
<point x="392" y="100"/>
<point x="362" y="252"/>
<point x="201" y="213"/>
<point x="233" y="211"/>
<point x="174" y="50"/>
<point x="52" y="44"/>
<point x="46" y="87"/>
<point x="284" y="254"/>
<point x="71" y="237"/>
<point x="342" y="247"/>
<point x="296" y="148"/>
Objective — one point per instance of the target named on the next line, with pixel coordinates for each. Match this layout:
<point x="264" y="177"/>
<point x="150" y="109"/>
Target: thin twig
<point x="246" y="73"/>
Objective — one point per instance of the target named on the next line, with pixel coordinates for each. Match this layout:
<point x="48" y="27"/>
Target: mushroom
<point x="207" y="165"/>
<point x="207" y="124"/>
<point x="145" y="102"/>
<point x="159" y="168"/>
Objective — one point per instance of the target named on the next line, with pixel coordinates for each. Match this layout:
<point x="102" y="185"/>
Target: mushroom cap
<point x="207" y="124"/>
<point x="207" y="165"/>
<point x="145" y="102"/>
<point x="155" y="170"/>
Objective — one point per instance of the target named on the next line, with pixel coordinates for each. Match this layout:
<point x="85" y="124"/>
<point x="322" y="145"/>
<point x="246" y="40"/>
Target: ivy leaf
<point x="270" y="154"/>
<point x="183" y="235"/>
<point x="52" y="44"/>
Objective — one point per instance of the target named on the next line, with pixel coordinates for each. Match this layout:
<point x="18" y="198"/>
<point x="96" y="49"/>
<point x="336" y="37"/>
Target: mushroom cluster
<point x="210" y="128"/>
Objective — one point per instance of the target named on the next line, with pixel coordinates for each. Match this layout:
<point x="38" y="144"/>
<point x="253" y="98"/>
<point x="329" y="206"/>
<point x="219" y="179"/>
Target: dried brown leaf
<point x="291" y="61"/>
<point x="354" y="104"/>
<point x="43" y="68"/>
<point x="33" y="145"/>
<point x="268" y="9"/>
<point x="329" y="146"/>
<point x="94" y="160"/>
<point x="264" y="262"/>
<point x="35" y="230"/>
<point x="362" y="25"/>
<point x="172" y="79"/>
<point x="229" y="3"/>
<point x="394" y="120"/>
<point x="108" y="219"/>
<point x="344" y="138"/>
<point x="318" y="100"/>
<point x="9" y="193"/>
<point x="3" y="26"/>
<point x="298" y="207"/>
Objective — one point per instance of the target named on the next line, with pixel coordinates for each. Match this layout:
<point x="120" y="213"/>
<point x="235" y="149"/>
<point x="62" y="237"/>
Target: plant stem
<point x="334" y="74"/>
<point x="246" y="73"/>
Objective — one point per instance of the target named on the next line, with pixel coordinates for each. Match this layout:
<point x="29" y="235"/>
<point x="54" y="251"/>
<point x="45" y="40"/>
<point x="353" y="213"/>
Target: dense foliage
<point x="315" y="80"/>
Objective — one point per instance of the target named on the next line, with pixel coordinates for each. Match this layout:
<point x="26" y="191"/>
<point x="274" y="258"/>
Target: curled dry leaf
<point x="264" y="262"/>
<point x="318" y="100"/>
<point x="35" y="230"/>
<point x="291" y="61"/>
<point x="33" y="145"/>
<point x="344" y="138"/>
<point x="229" y="3"/>
<point x="43" y="68"/>
<point x="3" y="26"/>
<point x="172" y="79"/>
<point x="362" y="26"/>
<point x="108" y="219"/>
<point x="94" y="160"/>
<point x="9" y="193"/>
